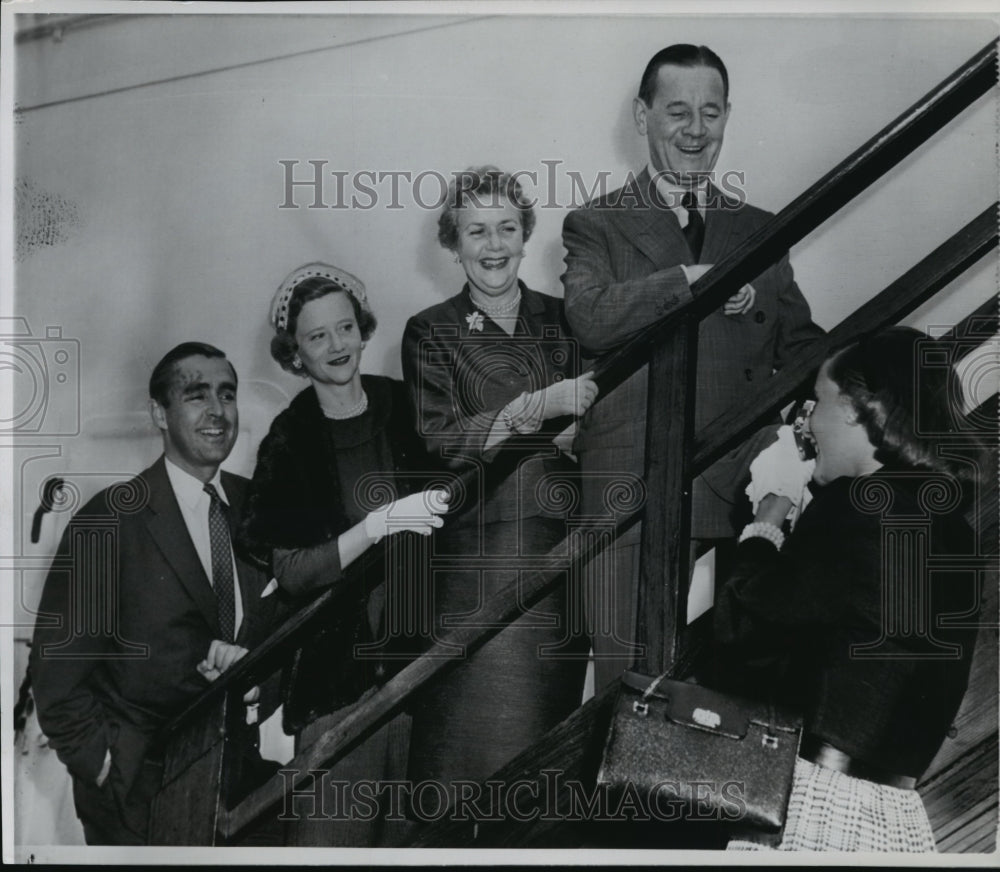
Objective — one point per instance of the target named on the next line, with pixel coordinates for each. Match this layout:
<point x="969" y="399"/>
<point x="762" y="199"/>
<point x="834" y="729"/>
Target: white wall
<point x="147" y="149"/>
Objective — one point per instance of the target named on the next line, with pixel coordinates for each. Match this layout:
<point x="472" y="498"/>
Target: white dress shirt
<point x="194" y="504"/>
<point x="672" y="194"/>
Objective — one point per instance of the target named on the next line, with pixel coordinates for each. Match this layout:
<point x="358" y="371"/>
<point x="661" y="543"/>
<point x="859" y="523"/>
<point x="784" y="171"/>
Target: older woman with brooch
<point x="344" y="442"/>
<point x="491" y="361"/>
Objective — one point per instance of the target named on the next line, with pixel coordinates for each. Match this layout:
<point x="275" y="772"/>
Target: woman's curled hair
<point x="908" y="400"/>
<point x="484" y="185"/>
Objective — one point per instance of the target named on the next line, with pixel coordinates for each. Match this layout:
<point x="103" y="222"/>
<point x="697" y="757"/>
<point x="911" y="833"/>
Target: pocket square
<point x="272" y="586"/>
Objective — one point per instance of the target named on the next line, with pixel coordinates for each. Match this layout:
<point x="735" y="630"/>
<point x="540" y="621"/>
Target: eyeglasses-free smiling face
<point x="490" y="245"/>
<point x="329" y="339"/>
<point x="200" y="421"/>
<point x="832" y="427"/>
<point x="685" y="124"/>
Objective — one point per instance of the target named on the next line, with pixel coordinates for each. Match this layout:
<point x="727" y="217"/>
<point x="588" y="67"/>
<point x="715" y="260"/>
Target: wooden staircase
<point x="960" y="790"/>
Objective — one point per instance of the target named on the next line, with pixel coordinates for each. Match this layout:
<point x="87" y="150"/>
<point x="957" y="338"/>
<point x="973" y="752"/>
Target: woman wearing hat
<point x="334" y="475"/>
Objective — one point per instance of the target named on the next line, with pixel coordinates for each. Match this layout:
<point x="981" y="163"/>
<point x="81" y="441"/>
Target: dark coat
<point x="865" y="619"/>
<point x="109" y="679"/>
<point x="460" y="378"/>
<point x="294" y="503"/>
<point x="294" y="499"/>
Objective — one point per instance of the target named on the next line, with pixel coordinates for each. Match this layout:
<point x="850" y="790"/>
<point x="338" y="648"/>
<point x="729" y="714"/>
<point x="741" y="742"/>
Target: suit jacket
<point x="462" y="372"/>
<point x="623" y="259"/>
<point x="126" y="615"/>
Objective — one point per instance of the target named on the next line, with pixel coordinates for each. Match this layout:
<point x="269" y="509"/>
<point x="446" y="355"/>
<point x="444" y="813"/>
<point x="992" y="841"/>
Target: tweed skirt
<point x="831" y="811"/>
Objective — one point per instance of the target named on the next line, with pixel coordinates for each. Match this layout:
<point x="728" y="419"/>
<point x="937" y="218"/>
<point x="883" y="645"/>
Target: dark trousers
<point x="112" y="815"/>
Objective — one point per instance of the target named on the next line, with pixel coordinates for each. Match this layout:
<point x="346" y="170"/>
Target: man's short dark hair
<point x="163" y="373"/>
<point x="680" y="55"/>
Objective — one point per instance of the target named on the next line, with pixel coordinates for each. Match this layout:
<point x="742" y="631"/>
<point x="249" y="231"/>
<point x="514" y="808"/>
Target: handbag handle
<point x="651" y="689"/>
<point x="770" y="732"/>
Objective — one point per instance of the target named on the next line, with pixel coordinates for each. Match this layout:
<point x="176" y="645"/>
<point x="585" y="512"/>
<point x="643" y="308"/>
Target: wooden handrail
<point x="903" y="296"/>
<point x="798" y="219"/>
<point x="979" y="325"/>
<point x="372" y="712"/>
<point x="380" y="706"/>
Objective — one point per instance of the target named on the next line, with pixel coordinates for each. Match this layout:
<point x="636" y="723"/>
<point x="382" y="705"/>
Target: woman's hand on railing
<point x="780" y="471"/>
<point x="419" y="513"/>
<point x="526" y="413"/>
<point x="571" y="396"/>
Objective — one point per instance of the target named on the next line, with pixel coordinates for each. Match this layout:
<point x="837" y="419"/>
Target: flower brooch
<point x="475" y="322"/>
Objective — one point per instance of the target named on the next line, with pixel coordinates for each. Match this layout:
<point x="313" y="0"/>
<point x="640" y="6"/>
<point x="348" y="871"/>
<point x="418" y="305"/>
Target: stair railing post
<point x="666" y="527"/>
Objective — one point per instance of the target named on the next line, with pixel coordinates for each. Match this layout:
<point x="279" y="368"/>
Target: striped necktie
<point x="222" y="564"/>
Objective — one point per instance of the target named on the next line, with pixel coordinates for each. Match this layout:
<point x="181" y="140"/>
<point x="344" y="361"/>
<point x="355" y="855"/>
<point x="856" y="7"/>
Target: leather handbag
<point x="687" y="752"/>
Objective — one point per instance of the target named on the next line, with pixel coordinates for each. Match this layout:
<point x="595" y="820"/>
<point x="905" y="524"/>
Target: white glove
<point x="779" y="470"/>
<point x="418" y="512"/>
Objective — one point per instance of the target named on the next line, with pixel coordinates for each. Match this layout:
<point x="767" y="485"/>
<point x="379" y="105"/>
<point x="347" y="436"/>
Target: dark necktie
<point x="222" y="564"/>
<point x="695" y="230"/>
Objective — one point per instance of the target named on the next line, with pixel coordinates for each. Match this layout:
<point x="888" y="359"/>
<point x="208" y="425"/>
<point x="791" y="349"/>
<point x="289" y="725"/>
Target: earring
<point x="457" y="259"/>
<point x="296" y="363"/>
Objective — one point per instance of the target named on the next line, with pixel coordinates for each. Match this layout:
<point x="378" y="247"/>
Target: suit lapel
<point x="652" y="229"/>
<point x="166" y="525"/>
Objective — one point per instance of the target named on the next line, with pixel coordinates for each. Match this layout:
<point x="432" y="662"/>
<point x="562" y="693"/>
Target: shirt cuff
<point x="105" y="769"/>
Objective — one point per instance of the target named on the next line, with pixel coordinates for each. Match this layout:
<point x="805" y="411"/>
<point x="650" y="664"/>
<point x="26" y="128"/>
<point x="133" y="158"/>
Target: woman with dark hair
<point x="334" y="476"/>
<point x="492" y="361"/>
<point x="843" y="618"/>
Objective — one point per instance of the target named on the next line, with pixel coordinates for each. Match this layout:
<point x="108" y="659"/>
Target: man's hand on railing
<point x="738" y="304"/>
<point x="741" y="302"/>
<point x="221" y="655"/>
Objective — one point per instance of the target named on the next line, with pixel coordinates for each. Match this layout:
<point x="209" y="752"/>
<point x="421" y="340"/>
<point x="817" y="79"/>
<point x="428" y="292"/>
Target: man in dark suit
<point x="631" y="258"/>
<point x="145" y="602"/>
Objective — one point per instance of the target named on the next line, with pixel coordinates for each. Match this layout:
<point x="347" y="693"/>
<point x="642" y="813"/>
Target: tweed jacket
<point x="623" y="257"/>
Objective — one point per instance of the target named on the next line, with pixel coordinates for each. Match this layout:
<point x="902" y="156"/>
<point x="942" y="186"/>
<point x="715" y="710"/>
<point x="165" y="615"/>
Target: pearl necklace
<point x="357" y="409"/>
<point x="497" y="308"/>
